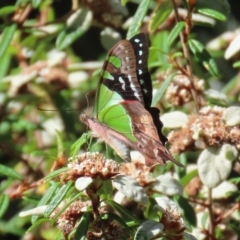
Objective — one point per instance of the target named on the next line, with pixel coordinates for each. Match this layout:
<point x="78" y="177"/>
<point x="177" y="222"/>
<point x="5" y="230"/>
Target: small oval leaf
<point x="77" y="24"/>
<point x="159" y="94"/>
<point x="82" y="226"/>
<point x="148" y="230"/>
<point x="231" y="116"/>
<point x="7" y="10"/>
<point x="212" y="13"/>
<point x="174" y="119"/>
<point x="6" y="37"/>
<point x="82" y="183"/>
<point x="203" y="56"/>
<point x="233" y="48"/>
<point x="130" y="188"/>
<point x="138" y="18"/>
<point x="213" y="167"/>
<point x="175" y="32"/>
<point x="163" y="11"/>
<point x="167" y="185"/>
<point x="9" y="172"/>
<point x="4" y="203"/>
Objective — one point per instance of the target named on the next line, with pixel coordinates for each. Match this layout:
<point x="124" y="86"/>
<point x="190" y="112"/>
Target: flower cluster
<point x="105" y="229"/>
<point x="66" y="222"/>
<point x="179" y="91"/>
<point x="207" y="128"/>
<point x="90" y="165"/>
<point x="138" y="170"/>
<point x="171" y="219"/>
<point x="108" y="13"/>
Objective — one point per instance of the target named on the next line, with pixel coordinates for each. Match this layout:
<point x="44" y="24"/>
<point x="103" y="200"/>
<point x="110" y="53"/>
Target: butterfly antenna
<point x="55" y="110"/>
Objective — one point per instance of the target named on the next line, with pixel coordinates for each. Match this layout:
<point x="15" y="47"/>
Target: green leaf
<point x="118" y="219"/>
<point x="138" y="18"/>
<point x="76" y="197"/>
<point x="77" y="145"/>
<point x="163" y="11"/>
<point x="55" y="173"/>
<point x="175" y="32"/>
<point x="77" y="24"/>
<point x="187" y="209"/>
<point x="83" y="226"/>
<point x="46" y="198"/>
<point x="128" y="216"/>
<point x="9" y="172"/>
<point x="234" y="224"/>
<point x="57" y="199"/>
<point x="4" y="203"/>
<point x="7" y="10"/>
<point x="5" y="62"/>
<point x="204" y="57"/>
<point x="37" y="223"/>
<point x="160" y="92"/>
<point x="6" y="38"/>
<point x="236" y="64"/>
<point x="212" y="13"/>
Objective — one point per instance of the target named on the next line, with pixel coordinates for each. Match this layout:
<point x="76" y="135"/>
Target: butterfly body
<point x="122" y="115"/>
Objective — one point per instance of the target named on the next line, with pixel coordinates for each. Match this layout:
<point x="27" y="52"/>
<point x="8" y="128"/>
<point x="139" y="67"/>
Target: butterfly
<point x="122" y="115"/>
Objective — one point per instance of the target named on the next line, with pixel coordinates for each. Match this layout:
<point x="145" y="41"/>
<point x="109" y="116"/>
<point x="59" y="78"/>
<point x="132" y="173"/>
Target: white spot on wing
<point x="121" y="80"/>
<point x="121" y="46"/>
<point x="140" y="71"/>
<point x="136" y="40"/>
<point x="140" y="61"/>
<point x="140" y="53"/>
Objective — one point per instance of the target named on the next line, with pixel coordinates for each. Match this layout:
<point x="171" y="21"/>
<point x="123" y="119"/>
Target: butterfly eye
<point x="140" y="146"/>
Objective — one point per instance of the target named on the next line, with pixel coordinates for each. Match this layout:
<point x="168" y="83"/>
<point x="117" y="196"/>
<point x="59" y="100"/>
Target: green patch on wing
<point x="116" y="118"/>
<point x="115" y="61"/>
<point x="107" y="75"/>
<point x="105" y="98"/>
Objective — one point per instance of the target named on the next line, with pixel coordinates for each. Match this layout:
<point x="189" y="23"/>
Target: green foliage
<point x="50" y="53"/>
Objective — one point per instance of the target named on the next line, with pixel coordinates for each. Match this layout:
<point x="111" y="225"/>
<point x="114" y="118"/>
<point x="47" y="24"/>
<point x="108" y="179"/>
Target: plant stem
<point x="211" y="217"/>
<point x="184" y="40"/>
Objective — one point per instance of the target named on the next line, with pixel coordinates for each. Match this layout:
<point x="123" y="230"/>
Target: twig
<point x="226" y="214"/>
<point x="183" y="38"/>
<point x="211" y="218"/>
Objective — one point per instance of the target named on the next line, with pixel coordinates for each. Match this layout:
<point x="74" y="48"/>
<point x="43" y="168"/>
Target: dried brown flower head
<point x="88" y="164"/>
<point x="173" y="224"/>
<point x="107" y="12"/>
<point x="179" y="90"/>
<point x="204" y="129"/>
<point x="105" y="229"/>
<point x="138" y="170"/>
<point x="67" y="220"/>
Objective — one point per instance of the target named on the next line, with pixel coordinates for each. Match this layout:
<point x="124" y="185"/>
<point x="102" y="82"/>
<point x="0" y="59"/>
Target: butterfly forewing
<point x="140" y="48"/>
<point x="119" y="76"/>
